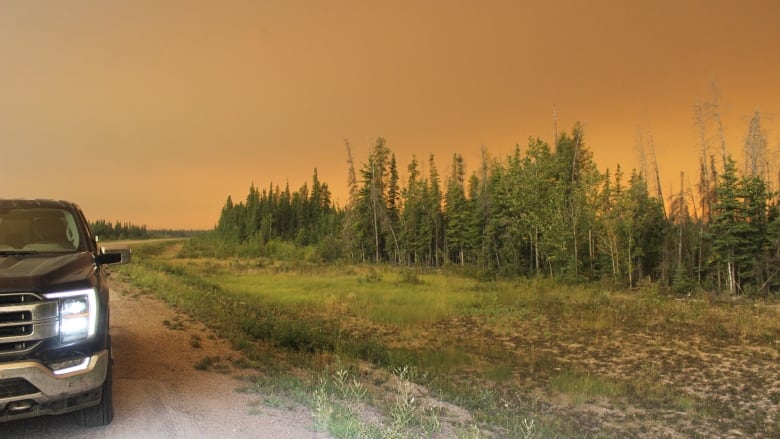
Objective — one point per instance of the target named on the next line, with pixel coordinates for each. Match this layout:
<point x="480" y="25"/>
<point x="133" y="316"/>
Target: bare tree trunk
<point x="350" y="209"/>
<point x="659" y="193"/>
<point x="756" y="155"/>
<point x="536" y="251"/>
<point x="731" y="280"/>
<point x="701" y="244"/>
<point x="613" y="255"/>
<point x="351" y="177"/>
<point x="376" y="231"/>
<point x="682" y="221"/>
<point x="630" y="264"/>
<point x="374" y="201"/>
<point x="704" y="181"/>
<point x="576" y="250"/>
<point x="591" y="250"/>
<point x="718" y="121"/>
<point x="395" y="242"/>
<point x="640" y="147"/>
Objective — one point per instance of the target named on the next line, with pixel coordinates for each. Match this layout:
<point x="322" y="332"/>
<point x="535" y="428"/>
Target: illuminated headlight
<point x="78" y="314"/>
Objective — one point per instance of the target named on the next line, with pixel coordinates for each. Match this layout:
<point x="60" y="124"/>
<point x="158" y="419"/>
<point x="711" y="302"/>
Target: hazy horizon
<point x="155" y="112"/>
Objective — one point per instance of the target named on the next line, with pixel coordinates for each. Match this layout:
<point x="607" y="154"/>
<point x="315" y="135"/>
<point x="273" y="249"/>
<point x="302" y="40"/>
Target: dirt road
<point x="159" y="394"/>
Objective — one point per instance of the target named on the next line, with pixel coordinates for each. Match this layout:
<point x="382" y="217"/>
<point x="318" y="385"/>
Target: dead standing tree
<point x="715" y="109"/>
<point x="756" y="153"/>
<point x="655" y="179"/>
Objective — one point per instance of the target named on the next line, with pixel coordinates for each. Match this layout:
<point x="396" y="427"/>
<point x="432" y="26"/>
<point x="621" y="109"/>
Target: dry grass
<point x="569" y="361"/>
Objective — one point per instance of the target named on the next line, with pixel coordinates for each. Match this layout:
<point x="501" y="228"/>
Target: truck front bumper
<point x="29" y="388"/>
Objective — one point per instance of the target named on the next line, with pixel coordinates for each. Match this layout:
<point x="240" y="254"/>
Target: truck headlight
<point x="78" y="314"/>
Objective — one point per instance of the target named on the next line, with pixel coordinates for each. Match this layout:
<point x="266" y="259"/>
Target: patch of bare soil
<point x="674" y="385"/>
<point x="158" y="392"/>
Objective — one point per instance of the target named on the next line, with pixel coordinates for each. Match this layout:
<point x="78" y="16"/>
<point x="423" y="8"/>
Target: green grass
<point x="583" y="387"/>
<point x="490" y="346"/>
<point x="390" y="301"/>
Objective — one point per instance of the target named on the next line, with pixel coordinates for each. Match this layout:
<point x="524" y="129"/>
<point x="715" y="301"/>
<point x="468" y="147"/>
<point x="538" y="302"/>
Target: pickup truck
<point x="55" y="346"/>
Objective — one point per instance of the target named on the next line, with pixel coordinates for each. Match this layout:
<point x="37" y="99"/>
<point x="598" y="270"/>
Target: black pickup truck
<point x="55" y="346"/>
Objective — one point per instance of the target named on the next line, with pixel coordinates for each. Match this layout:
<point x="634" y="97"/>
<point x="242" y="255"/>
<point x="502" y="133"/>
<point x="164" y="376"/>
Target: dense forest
<point x="108" y="231"/>
<point x="105" y="230"/>
<point x="541" y="211"/>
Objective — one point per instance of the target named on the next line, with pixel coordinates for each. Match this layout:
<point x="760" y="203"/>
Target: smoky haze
<point x="154" y="112"/>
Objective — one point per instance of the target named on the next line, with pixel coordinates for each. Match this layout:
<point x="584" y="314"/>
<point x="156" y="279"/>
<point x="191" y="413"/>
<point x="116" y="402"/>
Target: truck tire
<point x="103" y="413"/>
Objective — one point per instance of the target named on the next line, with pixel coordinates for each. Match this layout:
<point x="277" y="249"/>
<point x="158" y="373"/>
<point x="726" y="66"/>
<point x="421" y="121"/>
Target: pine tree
<point x="457" y="212"/>
<point x="475" y="221"/>
<point x="392" y="211"/>
<point x="349" y="230"/>
<point x="433" y="201"/>
<point x="755" y="200"/>
<point x="727" y="226"/>
<point x="412" y="216"/>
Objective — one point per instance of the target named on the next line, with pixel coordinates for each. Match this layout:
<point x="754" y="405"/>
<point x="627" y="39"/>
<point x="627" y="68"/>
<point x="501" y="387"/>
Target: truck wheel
<point x="103" y="413"/>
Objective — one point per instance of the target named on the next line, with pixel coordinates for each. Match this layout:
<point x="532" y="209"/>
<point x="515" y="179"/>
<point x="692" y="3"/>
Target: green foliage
<point x="411" y="278"/>
<point x="583" y="386"/>
<point x="739" y="229"/>
<point x="329" y="249"/>
<point x="681" y="282"/>
<point x="485" y="346"/>
<point x="119" y="230"/>
<point x="304" y="216"/>
<point x="546" y="211"/>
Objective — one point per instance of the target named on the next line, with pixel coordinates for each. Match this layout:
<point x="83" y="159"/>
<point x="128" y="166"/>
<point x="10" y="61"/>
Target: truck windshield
<point x="38" y="230"/>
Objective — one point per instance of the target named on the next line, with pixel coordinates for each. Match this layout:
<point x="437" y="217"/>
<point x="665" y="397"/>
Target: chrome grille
<point x="15" y="316"/>
<point x="25" y="320"/>
<point x="14" y="298"/>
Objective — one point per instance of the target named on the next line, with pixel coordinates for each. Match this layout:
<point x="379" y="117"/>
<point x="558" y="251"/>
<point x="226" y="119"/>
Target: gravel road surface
<point x="159" y="394"/>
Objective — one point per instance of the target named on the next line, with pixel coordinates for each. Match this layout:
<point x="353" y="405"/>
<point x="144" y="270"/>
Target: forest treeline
<point x="107" y="231"/>
<point x="541" y="211"/>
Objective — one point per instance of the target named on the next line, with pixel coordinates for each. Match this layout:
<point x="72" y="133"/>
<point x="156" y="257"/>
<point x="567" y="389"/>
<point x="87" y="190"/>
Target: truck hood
<point x="39" y="272"/>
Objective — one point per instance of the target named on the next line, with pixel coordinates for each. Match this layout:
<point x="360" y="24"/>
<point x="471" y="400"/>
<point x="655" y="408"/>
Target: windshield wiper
<point x="16" y="252"/>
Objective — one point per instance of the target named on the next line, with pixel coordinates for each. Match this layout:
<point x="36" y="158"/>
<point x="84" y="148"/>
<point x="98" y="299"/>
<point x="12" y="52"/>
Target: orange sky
<point x="154" y="112"/>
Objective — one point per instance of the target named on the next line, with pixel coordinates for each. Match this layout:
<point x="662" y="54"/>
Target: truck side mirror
<point x="114" y="256"/>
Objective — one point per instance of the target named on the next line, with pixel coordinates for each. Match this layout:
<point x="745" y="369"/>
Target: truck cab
<point x="55" y="345"/>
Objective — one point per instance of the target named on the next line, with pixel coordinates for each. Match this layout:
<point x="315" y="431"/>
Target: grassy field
<point x="396" y="352"/>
